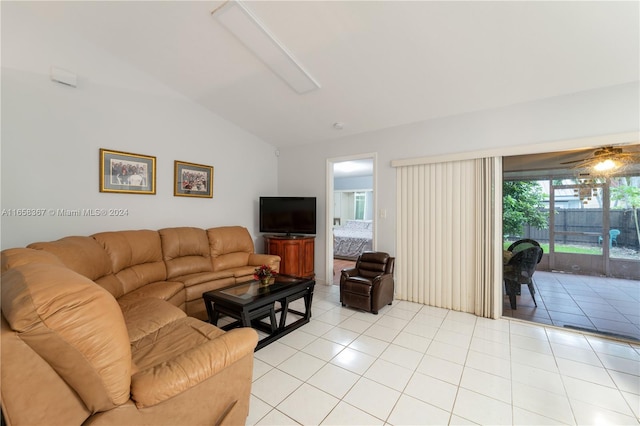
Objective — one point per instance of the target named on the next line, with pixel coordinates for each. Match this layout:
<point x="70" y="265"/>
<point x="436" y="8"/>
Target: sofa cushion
<point x="136" y="257"/>
<point x="174" y="338"/>
<point x="183" y="354"/>
<point x="83" y="255"/>
<point x="185" y="251"/>
<point x="32" y="392"/>
<point x="87" y="257"/>
<point x="194" y="292"/>
<point x="230" y="247"/>
<point x="146" y="316"/>
<point x="203" y="277"/>
<point x="75" y="325"/>
<point x="15" y="257"/>
<point x="171" y="291"/>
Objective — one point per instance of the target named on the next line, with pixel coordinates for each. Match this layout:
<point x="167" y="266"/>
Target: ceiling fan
<point x="606" y="159"/>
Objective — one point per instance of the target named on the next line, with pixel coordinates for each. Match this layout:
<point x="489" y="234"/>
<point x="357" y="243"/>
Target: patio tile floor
<point x="599" y="304"/>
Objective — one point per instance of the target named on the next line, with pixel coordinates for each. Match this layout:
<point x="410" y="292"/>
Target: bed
<point x="351" y="239"/>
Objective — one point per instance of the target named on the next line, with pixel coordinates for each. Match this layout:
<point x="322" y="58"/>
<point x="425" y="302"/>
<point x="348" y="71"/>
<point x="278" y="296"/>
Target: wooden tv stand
<point x="296" y="253"/>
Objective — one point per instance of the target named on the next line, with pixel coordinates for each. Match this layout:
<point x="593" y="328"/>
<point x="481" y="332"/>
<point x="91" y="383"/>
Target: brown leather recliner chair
<point x="369" y="285"/>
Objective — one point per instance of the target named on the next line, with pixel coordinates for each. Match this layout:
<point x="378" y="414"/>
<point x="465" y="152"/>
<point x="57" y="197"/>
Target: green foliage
<point x="626" y="194"/>
<point x="522" y="202"/>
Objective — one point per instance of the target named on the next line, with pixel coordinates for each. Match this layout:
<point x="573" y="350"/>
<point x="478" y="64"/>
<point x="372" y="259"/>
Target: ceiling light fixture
<point x="244" y="25"/>
<point x="605" y="165"/>
<point x="605" y="162"/>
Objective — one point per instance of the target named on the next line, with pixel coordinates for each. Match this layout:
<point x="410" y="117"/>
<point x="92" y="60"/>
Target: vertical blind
<point x="448" y="248"/>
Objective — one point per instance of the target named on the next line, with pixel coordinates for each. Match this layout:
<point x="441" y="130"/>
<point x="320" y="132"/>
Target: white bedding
<point x="350" y="240"/>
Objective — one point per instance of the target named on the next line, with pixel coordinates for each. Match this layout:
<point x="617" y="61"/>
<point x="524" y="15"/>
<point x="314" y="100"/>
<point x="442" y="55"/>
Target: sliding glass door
<point x="594" y="228"/>
<point x="577" y="227"/>
<point x="593" y="225"/>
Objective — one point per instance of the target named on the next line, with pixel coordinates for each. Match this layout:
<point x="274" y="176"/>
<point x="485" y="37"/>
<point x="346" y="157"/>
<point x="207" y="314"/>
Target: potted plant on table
<point x="265" y="274"/>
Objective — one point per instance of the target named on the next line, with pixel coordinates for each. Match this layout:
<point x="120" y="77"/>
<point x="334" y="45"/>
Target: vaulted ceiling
<point x="380" y="64"/>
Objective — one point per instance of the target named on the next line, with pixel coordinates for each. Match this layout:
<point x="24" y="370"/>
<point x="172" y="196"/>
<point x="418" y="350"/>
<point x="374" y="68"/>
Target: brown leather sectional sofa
<point x="107" y="329"/>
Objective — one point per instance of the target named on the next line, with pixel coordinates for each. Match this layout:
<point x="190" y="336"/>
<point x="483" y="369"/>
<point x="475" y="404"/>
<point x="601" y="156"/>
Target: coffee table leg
<point x="211" y="312"/>
<point x="284" y="305"/>
<point x="307" y="304"/>
<point x="272" y="317"/>
<point x="214" y="317"/>
<point x="246" y="321"/>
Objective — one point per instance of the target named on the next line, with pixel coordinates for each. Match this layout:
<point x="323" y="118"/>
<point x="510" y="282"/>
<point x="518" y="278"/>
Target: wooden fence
<point x="587" y="220"/>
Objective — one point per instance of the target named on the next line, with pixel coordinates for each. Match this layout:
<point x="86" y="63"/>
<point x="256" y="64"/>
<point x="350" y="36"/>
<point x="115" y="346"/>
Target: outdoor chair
<point x="523" y="244"/>
<point x="369" y="285"/>
<point x="519" y="270"/>
<point x="613" y="237"/>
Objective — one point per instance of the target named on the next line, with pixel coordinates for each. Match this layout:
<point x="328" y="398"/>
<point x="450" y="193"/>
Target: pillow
<point x="358" y="224"/>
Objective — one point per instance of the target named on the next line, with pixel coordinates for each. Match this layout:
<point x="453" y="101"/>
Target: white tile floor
<point x="416" y="365"/>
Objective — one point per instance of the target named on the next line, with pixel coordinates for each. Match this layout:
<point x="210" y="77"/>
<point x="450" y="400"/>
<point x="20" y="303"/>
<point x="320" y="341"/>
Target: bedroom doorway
<point x="350" y="211"/>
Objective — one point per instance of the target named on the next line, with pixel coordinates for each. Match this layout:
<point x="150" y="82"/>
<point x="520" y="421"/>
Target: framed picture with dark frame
<point x="127" y="173"/>
<point x="192" y="180"/>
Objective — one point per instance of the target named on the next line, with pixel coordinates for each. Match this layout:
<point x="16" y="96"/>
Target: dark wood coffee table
<point x="249" y="303"/>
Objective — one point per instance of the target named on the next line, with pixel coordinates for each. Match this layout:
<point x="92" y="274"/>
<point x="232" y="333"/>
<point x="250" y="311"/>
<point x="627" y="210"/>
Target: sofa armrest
<point x="163" y="381"/>
<point x="348" y="272"/>
<point x="383" y="280"/>
<point x="270" y="260"/>
<point x="382" y="291"/>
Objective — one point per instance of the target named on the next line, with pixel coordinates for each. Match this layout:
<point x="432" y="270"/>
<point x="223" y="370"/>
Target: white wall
<point x="51" y="136"/>
<point x="580" y="115"/>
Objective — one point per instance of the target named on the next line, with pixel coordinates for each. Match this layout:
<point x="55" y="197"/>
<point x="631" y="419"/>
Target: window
<point x="360" y="203"/>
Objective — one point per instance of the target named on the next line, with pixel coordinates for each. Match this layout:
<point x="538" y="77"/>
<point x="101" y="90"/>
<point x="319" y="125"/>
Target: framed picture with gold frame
<point x="127" y="173"/>
<point x="192" y="180"/>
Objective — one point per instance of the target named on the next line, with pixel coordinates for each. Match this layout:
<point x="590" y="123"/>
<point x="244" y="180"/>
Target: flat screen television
<point x="288" y="215"/>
